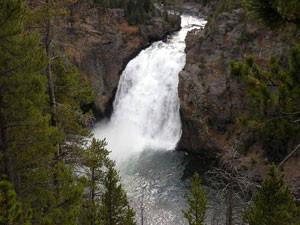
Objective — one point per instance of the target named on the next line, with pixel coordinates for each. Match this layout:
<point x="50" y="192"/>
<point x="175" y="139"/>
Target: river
<point x="145" y="127"/>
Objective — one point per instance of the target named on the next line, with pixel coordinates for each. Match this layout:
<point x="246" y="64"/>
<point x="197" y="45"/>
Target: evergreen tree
<point x="67" y="90"/>
<point x="135" y="11"/>
<point x="95" y="160"/>
<point x="72" y="94"/>
<point x="28" y="143"/>
<point x="274" y="94"/>
<point x="21" y="86"/>
<point x="197" y="203"/>
<point x="42" y="132"/>
<point x="273" y="203"/>
<point x="115" y="208"/>
<point x="68" y="93"/>
<point x="10" y="208"/>
<point x="27" y="140"/>
<point x="57" y="204"/>
<point x="275" y="13"/>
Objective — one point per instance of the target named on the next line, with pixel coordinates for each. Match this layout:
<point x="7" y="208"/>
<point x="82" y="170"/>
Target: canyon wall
<point x="210" y="98"/>
<point x="100" y="43"/>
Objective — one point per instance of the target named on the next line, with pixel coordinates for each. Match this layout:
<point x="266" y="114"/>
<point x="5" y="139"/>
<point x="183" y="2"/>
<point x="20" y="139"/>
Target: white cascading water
<point x="145" y="123"/>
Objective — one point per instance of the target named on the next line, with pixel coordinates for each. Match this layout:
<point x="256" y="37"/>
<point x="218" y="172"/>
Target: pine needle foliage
<point x="95" y="161"/>
<point x="274" y="94"/>
<point x="275" y="13"/>
<point x="42" y="133"/>
<point x="10" y="209"/>
<point x="115" y="209"/>
<point x="273" y="203"/>
<point x="197" y="203"/>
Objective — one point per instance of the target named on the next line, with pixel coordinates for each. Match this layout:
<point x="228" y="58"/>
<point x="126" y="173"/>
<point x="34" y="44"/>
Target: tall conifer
<point x="197" y="203"/>
<point x="28" y="142"/>
<point x="273" y="203"/>
<point x="115" y="208"/>
<point x="94" y="162"/>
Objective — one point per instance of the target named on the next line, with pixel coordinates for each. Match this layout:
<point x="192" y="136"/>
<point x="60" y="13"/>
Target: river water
<point x="145" y="127"/>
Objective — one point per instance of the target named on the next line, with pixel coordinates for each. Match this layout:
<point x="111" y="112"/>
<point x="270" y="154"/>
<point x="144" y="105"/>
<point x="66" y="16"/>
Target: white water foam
<point x="146" y="107"/>
<point x="145" y="123"/>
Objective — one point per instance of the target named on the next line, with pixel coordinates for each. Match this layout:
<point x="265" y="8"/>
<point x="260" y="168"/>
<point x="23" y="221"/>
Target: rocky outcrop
<point x="199" y="10"/>
<point x="210" y="99"/>
<point x="101" y="43"/>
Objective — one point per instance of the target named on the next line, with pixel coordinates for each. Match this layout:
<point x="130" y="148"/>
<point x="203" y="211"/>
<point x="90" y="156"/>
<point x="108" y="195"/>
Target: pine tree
<point x="274" y="94"/>
<point x="21" y="85"/>
<point x="67" y="90"/>
<point x="275" y="13"/>
<point x="104" y="200"/>
<point x="72" y="93"/>
<point x="28" y="143"/>
<point x="60" y="203"/>
<point x="273" y="203"/>
<point x="10" y="208"/>
<point x="197" y="203"/>
<point x="115" y="208"/>
<point x="95" y="160"/>
<point x="68" y="93"/>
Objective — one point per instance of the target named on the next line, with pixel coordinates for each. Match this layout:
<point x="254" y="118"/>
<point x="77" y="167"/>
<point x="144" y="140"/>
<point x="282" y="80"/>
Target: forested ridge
<point x="52" y="170"/>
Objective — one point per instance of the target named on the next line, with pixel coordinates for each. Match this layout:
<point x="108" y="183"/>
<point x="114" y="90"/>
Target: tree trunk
<point x="4" y="146"/>
<point x="93" y="195"/>
<point x="230" y="205"/>
<point x="110" y="211"/>
<point x="49" y="72"/>
<point x="48" y="40"/>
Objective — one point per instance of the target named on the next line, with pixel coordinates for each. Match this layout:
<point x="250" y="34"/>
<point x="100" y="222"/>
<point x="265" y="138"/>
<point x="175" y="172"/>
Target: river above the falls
<point x="145" y="127"/>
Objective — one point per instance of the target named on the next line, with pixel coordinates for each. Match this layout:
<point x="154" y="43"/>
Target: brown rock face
<point x="101" y="43"/>
<point x="210" y="99"/>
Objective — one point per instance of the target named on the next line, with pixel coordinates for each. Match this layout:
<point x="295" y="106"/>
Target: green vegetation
<point x="44" y="131"/>
<point x="273" y="203"/>
<point x="226" y="6"/>
<point x="136" y="11"/>
<point x="274" y="94"/>
<point x="246" y="36"/>
<point x="275" y="13"/>
<point x="273" y="113"/>
<point x="52" y="171"/>
<point x="273" y="90"/>
<point x="104" y="200"/>
<point x="180" y="2"/>
<point x="197" y="203"/>
<point x="222" y="6"/>
<point x="115" y="208"/>
<point x="10" y="209"/>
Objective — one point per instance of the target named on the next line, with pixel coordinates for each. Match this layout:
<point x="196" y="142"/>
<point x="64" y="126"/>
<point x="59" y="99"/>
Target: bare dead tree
<point x="142" y="203"/>
<point x="232" y="185"/>
<point x="287" y="157"/>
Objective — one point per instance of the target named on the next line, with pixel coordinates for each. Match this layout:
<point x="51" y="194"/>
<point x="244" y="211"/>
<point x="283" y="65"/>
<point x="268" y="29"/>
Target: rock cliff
<point x="101" y="43"/>
<point x="210" y="99"/>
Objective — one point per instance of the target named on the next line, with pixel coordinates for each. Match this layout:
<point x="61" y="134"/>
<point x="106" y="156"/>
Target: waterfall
<point x="145" y="124"/>
<point x="146" y="107"/>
